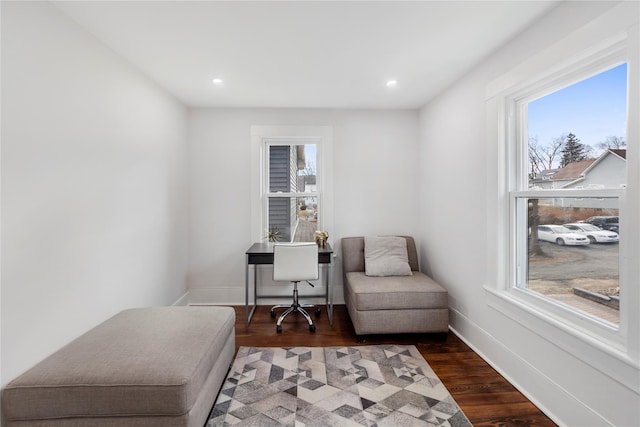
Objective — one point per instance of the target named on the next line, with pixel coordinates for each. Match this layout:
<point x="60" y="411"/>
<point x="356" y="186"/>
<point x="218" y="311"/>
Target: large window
<point x="547" y="185"/>
<point x="564" y="198"/>
<point x="569" y="179"/>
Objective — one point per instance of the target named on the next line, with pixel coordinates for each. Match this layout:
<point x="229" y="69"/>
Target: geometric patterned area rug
<point x="381" y="385"/>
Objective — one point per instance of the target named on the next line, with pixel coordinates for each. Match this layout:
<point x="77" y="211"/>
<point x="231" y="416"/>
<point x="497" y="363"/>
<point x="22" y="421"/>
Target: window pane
<point x="576" y="135"/>
<point x="292" y="168"/>
<point x="573" y="254"/>
<point x="292" y="219"/>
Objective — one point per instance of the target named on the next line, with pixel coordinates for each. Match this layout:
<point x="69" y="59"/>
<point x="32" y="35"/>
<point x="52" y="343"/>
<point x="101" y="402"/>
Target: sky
<point x="591" y="109"/>
<point x="310" y="156"/>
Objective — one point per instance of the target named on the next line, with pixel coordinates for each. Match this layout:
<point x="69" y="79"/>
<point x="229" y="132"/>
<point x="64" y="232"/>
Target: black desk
<point x="262" y="253"/>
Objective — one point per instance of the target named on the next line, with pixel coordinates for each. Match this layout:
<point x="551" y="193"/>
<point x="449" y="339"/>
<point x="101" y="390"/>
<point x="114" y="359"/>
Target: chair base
<point x="296" y="307"/>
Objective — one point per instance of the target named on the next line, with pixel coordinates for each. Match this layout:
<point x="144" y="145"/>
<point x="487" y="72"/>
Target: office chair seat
<point x="295" y="262"/>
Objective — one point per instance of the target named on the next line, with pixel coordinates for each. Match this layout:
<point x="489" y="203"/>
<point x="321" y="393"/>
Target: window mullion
<point x="571" y="193"/>
<point x="294" y="194"/>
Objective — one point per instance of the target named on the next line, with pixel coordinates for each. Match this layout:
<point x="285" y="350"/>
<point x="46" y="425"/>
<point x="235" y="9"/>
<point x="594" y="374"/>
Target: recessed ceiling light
<point x="217" y="81"/>
<point x="392" y="83"/>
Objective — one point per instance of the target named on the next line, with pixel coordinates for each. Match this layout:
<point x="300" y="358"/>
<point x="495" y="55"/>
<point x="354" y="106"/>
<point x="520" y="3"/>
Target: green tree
<point x="573" y="151"/>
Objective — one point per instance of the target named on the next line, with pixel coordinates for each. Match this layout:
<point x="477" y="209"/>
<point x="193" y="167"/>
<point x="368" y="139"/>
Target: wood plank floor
<point x="485" y="396"/>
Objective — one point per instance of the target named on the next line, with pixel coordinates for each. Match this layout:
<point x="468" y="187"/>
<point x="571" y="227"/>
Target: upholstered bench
<point x="386" y="304"/>
<point x="160" y="366"/>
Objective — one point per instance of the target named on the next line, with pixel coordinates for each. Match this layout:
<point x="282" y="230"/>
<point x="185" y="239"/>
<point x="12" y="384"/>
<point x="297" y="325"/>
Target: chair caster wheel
<point x="278" y="328"/>
<point x="312" y="328"/>
<point x="273" y="314"/>
<point x="318" y="312"/>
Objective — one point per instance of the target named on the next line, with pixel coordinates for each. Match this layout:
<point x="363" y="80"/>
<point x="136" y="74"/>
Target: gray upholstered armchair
<point x="389" y="303"/>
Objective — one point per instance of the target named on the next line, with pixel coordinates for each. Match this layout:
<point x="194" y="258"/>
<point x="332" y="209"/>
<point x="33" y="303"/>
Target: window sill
<point x="599" y="345"/>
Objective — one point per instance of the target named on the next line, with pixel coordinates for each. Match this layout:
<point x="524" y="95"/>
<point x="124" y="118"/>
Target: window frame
<point x="268" y="195"/>
<point x="573" y="59"/>
<point x="261" y="138"/>
<point x="571" y="73"/>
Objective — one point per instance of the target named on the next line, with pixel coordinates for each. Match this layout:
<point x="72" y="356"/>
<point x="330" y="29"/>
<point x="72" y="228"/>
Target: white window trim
<point x="612" y="351"/>
<point x="262" y="136"/>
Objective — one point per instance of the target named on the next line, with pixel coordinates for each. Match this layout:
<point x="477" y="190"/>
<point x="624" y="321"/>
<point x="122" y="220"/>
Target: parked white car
<point x="593" y="233"/>
<point x="561" y="235"/>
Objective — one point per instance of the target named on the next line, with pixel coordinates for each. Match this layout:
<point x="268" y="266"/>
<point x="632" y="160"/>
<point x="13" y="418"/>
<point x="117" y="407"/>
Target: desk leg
<point x="330" y="291"/>
<point x="246" y="290"/>
<point x="249" y="314"/>
<point x="255" y="289"/>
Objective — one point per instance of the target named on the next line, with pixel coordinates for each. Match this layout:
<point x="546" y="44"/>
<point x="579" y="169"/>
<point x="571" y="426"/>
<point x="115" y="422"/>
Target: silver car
<point x="593" y="233"/>
<point x="561" y="235"/>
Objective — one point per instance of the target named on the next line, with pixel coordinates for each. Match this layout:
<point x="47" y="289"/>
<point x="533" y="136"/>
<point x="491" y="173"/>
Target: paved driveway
<point x="593" y="267"/>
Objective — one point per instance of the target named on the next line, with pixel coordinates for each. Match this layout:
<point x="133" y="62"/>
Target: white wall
<point x="93" y="186"/>
<point x="375" y="174"/>
<point x="458" y="172"/>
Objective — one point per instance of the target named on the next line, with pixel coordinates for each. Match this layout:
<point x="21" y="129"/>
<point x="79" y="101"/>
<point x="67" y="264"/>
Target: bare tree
<point x="535" y="157"/>
<point x="552" y="151"/>
<point x="534" y="221"/>
<point x="612" y="141"/>
<point x="542" y="157"/>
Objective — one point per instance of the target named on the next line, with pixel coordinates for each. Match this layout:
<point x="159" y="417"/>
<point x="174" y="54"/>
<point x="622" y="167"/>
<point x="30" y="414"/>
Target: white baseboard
<point x="183" y="300"/>
<point x="552" y="399"/>
<point x="235" y="296"/>
<point x="217" y="296"/>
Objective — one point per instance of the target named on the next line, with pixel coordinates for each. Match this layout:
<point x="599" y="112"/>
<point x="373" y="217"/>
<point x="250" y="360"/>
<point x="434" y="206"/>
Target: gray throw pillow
<point x="386" y="256"/>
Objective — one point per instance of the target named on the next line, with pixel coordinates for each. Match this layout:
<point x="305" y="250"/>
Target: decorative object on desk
<point x="273" y="235"/>
<point x="302" y="211"/>
<point x="321" y="238"/>
<point x="364" y="385"/>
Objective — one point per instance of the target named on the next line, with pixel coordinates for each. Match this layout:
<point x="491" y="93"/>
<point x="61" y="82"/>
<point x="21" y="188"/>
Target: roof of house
<point x="573" y="170"/>
<point x="622" y="152"/>
<point x="577" y="170"/>
<point x="546" y="174"/>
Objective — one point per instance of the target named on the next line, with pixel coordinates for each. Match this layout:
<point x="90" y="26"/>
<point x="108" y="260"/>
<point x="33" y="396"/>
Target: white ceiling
<point x="305" y="54"/>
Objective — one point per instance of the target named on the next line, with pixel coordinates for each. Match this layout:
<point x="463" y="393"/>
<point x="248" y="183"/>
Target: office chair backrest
<point x="294" y="262"/>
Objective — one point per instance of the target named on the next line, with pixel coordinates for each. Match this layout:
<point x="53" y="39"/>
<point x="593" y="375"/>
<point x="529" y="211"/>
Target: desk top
<point x="267" y="248"/>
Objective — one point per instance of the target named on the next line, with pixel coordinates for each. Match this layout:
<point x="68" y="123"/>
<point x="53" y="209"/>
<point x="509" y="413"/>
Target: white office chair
<point x="295" y="262"/>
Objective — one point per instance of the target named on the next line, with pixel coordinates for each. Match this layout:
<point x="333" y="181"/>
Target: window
<point x="566" y="191"/>
<point x="292" y="194"/>
<point x="291" y="182"/>
<point x="533" y="187"/>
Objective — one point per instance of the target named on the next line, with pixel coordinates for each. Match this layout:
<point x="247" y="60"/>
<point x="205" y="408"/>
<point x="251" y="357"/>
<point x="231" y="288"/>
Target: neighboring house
<point x="543" y="179"/>
<point x="559" y="178"/>
<point x="284" y="161"/>
<point x="606" y="171"/>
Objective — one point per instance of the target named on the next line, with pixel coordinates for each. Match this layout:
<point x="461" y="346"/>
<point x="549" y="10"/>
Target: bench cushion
<point x="141" y="362"/>
<point x="395" y="292"/>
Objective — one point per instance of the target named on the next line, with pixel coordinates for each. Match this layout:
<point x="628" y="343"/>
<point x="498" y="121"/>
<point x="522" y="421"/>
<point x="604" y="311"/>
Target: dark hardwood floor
<point x="484" y="396"/>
